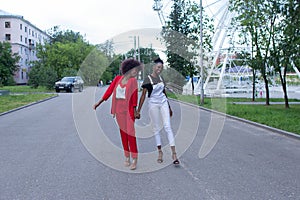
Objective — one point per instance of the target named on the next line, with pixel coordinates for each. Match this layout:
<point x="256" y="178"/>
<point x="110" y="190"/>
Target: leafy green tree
<point x="257" y="19"/>
<point x="286" y="41"/>
<point x="181" y="36"/>
<point x="93" y="67"/>
<point x="62" y="56"/>
<point x="8" y="63"/>
<point x="147" y="55"/>
<point x="107" y="48"/>
<point x="64" y="36"/>
<point x="273" y="28"/>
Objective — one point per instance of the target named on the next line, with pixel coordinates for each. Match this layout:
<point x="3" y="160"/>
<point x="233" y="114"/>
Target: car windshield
<point x="68" y="79"/>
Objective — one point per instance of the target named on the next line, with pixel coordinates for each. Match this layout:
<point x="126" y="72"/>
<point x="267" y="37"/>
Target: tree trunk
<point x="267" y="90"/>
<point x="254" y="93"/>
<point x="283" y="83"/>
<point x="193" y="87"/>
<point x="286" y="100"/>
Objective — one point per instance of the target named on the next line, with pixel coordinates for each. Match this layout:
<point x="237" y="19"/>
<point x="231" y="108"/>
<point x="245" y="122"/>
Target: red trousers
<point x="127" y="132"/>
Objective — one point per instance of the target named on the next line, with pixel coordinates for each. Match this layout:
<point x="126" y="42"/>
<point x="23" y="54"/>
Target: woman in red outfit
<point x="124" y="101"/>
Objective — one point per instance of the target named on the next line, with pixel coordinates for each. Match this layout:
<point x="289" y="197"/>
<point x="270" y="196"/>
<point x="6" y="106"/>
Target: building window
<point x="7" y="24"/>
<point x="31" y="44"/>
<point x="21" y="27"/>
<point x="26" y="40"/>
<point x="21" y="38"/>
<point x="25" y="29"/>
<point x="7" y="37"/>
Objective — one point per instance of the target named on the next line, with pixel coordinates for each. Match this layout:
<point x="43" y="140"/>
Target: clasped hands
<point x="137" y="114"/>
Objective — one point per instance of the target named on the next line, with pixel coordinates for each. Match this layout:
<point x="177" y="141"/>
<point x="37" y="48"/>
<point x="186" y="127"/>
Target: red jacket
<point x="131" y="96"/>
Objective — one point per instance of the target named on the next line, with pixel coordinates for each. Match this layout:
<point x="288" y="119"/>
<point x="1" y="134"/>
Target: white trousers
<point x="160" y="115"/>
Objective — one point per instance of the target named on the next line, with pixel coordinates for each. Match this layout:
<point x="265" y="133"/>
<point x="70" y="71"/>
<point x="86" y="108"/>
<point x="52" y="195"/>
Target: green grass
<point x="25" y="88"/>
<point x="9" y="102"/>
<point x="275" y="115"/>
<point x="21" y="96"/>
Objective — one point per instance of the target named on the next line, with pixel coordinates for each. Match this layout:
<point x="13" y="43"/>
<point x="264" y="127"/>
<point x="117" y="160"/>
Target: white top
<point x="157" y="95"/>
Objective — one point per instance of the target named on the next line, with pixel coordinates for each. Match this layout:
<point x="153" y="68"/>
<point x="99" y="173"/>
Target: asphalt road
<point x="51" y="150"/>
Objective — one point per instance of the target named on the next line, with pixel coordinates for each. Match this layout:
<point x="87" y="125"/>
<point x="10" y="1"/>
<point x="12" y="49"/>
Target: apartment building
<point x="23" y="37"/>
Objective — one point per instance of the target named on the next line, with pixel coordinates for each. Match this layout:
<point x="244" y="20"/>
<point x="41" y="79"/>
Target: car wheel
<point x="80" y="88"/>
<point x="72" y="89"/>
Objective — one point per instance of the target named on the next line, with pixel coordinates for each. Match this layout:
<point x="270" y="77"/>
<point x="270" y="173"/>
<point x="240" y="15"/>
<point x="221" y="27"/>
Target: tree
<point x="62" y="56"/>
<point x="8" y="63"/>
<point x="181" y="36"/>
<point x="93" y="67"/>
<point x="107" y="48"/>
<point x="64" y="36"/>
<point x="257" y="19"/>
<point x="147" y="56"/>
<point x="286" y="43"/>
<point x="273" y="28"/>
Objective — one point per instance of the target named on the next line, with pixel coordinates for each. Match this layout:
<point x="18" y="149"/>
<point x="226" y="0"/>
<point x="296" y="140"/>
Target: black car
<point x="69" y="84"/>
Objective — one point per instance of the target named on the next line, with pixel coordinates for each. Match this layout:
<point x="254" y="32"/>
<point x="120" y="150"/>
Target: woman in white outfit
<point x="159" y="108"/>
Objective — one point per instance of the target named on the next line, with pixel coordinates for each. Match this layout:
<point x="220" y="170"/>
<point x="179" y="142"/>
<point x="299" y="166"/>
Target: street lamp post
<point x="201" y="54"/>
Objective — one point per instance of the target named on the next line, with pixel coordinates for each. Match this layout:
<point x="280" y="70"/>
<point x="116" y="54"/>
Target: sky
<point x="96" y="20"/>
<point x="99" y="20"/>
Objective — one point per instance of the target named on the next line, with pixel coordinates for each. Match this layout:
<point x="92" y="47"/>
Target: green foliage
<point x="63" y="56"/>
<point x="93" y="67"/>
<point x="175" y="81"/>
<point x="67" y="36"/>
<point x="107" y="48"/>
<point x="181" y="36"/>
<point x="8" y="63"/>
<point x="272" y="27"/>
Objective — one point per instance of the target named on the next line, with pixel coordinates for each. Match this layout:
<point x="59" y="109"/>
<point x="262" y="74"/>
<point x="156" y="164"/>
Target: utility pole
<point x="138" y="44"/>
<point x="134" y="40"/>
<point x="201" y="54"/>
<point x="139" y="56"/>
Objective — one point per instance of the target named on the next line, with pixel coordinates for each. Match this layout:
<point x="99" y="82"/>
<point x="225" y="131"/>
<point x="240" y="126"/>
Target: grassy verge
<point x="9" y="102"/>
<point x="275" y="115"/>
<point x="21" y="96"/>
<point x="25" y="88"/>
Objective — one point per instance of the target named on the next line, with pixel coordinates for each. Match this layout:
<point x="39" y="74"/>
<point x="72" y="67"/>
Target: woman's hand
<point x="137" y="115"/>
<point x="171" y="112"/>
<point x="97" y="104"/>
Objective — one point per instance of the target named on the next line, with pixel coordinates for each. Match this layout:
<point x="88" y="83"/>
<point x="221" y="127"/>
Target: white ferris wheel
<point x="219" y="76"/>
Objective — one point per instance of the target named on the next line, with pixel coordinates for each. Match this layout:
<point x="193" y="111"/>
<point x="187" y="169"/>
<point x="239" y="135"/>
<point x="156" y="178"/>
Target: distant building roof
<point x="4" y="13"/>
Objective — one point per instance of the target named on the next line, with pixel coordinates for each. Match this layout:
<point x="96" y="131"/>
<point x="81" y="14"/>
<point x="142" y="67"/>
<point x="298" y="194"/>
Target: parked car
<point x="69" y="84"/>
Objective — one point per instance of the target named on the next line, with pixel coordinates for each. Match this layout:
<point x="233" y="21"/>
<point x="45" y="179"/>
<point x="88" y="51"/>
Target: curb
<point x="25" y="106"/>
<point x="282" y="132"/>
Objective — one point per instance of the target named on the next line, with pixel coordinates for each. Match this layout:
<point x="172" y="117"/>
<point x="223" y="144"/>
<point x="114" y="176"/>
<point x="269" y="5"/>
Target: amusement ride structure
<point x="223" y="74"/>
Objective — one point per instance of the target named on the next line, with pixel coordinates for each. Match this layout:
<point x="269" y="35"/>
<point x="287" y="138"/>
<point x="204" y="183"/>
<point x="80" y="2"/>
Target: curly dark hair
<point x="158" y="60"/>
<point x="129" y="64"/>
